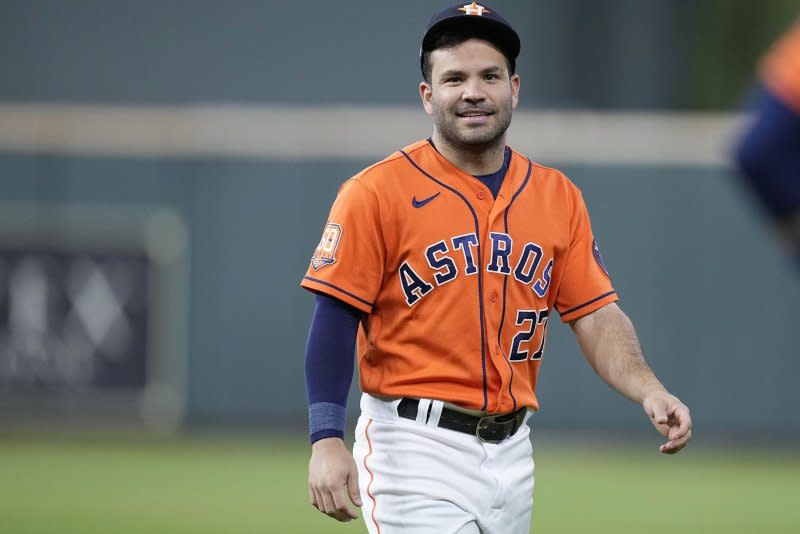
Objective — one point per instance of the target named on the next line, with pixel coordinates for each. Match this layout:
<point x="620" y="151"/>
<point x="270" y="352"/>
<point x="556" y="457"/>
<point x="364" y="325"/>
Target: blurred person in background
<point x="768" y="154"/>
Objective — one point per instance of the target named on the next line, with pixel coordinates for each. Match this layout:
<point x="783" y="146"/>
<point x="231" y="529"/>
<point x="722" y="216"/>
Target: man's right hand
<point x="332" y="474"/>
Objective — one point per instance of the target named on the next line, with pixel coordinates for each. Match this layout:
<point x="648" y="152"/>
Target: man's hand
<point x="332" y="474"/>
<point x="671" y="418"/>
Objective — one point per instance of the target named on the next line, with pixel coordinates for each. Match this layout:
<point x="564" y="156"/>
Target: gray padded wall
<point x="712" y="296"/>
<point x="708" y="289"/>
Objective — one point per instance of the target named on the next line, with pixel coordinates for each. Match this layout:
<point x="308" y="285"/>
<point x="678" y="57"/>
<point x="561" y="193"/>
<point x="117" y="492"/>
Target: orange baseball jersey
<point x="780" y="69"/>
<point x="458" y="286"/>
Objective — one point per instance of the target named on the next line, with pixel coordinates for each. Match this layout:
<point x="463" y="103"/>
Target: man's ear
<point x="425" y="94"/>
<point x="515" y="82"/>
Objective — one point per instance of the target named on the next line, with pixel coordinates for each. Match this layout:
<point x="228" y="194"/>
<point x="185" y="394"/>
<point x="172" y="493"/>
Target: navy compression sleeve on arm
<point x="329" y="365"/>
<point x="769" y="156"/>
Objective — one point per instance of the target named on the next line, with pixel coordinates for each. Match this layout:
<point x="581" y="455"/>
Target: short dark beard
<point x="451" y="136"/>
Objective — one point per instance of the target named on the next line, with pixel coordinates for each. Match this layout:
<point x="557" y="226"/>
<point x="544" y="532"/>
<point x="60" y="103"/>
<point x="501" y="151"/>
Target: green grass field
<point x="226" y="485"/>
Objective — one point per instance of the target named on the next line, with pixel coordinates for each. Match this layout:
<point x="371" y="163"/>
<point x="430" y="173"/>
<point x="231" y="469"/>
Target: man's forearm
<point x="609" y="342"/>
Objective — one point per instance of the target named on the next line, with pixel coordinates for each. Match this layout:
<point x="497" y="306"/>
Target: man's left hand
<point x="671" y="418"/>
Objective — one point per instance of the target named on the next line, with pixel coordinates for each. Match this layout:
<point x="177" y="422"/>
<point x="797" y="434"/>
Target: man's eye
<point x="492" y="76"/>
<point x="451" y="80"/>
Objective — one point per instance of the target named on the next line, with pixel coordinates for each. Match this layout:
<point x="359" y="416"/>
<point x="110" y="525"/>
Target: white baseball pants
<point x="417" y="478"/>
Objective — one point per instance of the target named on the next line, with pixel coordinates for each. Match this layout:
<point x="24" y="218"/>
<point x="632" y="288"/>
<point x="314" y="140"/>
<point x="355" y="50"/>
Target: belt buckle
<point x="483" y="424"/>
<point x="512" y="425"/>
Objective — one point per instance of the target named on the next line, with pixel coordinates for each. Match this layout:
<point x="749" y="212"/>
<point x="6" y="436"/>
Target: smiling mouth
<point x="474" y="114"/>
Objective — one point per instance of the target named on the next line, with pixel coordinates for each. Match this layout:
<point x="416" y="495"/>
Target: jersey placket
<point x="498" y="368"/>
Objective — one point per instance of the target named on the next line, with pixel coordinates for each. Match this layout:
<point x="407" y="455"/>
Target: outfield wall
<point x="235" y="123"/>
<point x="710" y="292"/>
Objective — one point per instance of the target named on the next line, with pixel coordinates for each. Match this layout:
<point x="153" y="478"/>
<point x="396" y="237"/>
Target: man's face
<point x="471" y="95"/>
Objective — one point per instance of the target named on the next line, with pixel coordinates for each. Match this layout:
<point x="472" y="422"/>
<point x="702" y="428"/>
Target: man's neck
<point x="480" y="161"/>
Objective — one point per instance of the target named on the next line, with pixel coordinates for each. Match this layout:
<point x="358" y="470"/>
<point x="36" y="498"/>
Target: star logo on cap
<point x="473" y="9"/>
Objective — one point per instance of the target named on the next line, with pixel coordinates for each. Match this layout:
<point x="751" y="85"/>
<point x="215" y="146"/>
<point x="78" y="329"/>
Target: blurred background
<point x="166" y="169"/>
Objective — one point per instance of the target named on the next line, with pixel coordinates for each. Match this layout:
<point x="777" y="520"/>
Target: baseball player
<point x="769" y="152"/>
<point x="447" y="260"/>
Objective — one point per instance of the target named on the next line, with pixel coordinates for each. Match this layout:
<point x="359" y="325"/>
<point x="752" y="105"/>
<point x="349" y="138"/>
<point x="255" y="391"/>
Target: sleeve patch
<point x="599" y="257"/>
<point x="325" y="254"/>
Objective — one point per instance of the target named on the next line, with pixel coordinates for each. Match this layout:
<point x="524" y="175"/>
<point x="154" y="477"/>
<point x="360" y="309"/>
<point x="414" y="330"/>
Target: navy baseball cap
<point x="482" y="21"/>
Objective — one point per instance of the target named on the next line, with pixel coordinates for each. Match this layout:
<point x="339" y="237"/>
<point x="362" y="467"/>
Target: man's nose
<point x="473" y="91"/>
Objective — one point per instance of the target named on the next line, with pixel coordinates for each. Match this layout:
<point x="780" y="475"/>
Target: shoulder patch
<point x="598" y="257"/>
<point x="325" y="254"/>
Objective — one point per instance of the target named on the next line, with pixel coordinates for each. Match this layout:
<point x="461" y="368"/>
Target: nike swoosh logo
<point x="419" y="203"/>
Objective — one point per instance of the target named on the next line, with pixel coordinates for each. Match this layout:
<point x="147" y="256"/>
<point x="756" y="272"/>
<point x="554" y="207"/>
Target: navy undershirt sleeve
<point x="329" y="365"/>
<point x="769" y="156"/>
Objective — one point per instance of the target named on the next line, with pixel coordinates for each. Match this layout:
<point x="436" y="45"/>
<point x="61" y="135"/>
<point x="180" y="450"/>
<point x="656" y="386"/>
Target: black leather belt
<point x="489" y="428"/>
